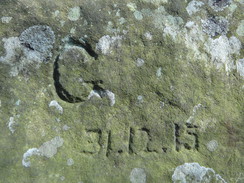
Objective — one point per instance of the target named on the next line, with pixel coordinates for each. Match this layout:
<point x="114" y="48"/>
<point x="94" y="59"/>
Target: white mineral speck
<point x="139" y="99"/>
<point x="18" y="102"/>
<point x="72" y="30"/>
<point x="55" y="104"/>
<point x="139" y="62"/>
<point x="74" y="14"/>
<point x="159" y="72"/>
<point x="148" y="35"/>
<point x="6" y="20"/>
<point x="66" y="127"/>
<point x="189" y="24"/>
<point x="56" y="13"/>
<point x="70" y="162"/>
<point x="132" y="6"/>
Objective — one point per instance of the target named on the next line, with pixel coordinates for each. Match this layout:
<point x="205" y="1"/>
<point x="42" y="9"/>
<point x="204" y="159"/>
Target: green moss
<point x="100" y="136"/>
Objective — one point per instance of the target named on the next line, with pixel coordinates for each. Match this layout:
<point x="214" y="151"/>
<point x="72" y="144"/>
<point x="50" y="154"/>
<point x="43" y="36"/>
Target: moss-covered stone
<point x="142" y="87"/>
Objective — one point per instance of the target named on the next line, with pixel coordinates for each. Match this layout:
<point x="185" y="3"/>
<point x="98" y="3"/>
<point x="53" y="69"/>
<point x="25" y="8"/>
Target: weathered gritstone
<point x="121" y="91"/>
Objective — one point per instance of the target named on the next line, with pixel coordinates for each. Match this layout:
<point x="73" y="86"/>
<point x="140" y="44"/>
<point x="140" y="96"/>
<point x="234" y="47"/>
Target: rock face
<point x="121" y="91"/>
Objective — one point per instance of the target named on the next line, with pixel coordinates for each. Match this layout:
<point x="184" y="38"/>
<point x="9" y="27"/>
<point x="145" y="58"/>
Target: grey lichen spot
<point x="156" y="2"/>
<point x="139" y="62"/>
<point x="240" y="29"/>
<point x="111" y="96"/>
<point x="62" y="178"/>
<point x="39" y="38"/>
<point x="194" y="173"/>
<point x="219" y="5"/>
<point x="215" y="26"/>
<point x="222" y="49"/>
<point x="138" y="175"/>
<point x="138" y="15"/>
<point x="70" y="162"/>
<point x="212" y="145"/>
<point x="66" y="127"/>
<point x="30" y="152"/>
<point x="131" y="6"/>
<point x="11" y="124"/>
<point x="159" y="72"/>
<point x="194" y="6"/>
<point x="74" y="14"/>
<point x="240" y="67"/>
<point x="49" y="148"/>
<point x="148" y="35"/>
<point x="106" y="44"/>
<point x="6" y="20"/>
<point x="140" y="100"/>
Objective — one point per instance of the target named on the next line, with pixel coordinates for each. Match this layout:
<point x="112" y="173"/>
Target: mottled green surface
<point x="148" y="132"/>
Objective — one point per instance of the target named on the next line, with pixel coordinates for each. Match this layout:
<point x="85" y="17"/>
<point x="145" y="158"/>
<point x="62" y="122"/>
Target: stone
<point x="121" y="91"/>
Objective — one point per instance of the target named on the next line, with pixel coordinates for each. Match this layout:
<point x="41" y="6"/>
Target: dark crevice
<point x="101" y="92"/>
<point x="132" y="133"/>
<point x="164" y="149"/>
<point x="61" y="91"/>
<point x="196" y="140"/>
<point x="149" y="138"/>
<point x="27" y="45"/>
<point x="172" y="102"/>
<point x="84" y="44"/>
<point x="109" y="144"/>
<point x="188" y="125"/>
<point x="177" y="135"/>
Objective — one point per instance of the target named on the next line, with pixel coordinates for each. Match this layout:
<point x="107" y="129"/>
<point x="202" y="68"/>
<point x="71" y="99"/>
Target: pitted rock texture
<point x="121" y="91"/>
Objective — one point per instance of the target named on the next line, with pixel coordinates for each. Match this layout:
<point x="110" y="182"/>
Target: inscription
<point x="186" y="137"/>
<point x="138" y="140"/>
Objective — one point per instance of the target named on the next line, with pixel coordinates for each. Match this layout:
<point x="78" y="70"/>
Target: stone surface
<point x="121" y="91"/>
